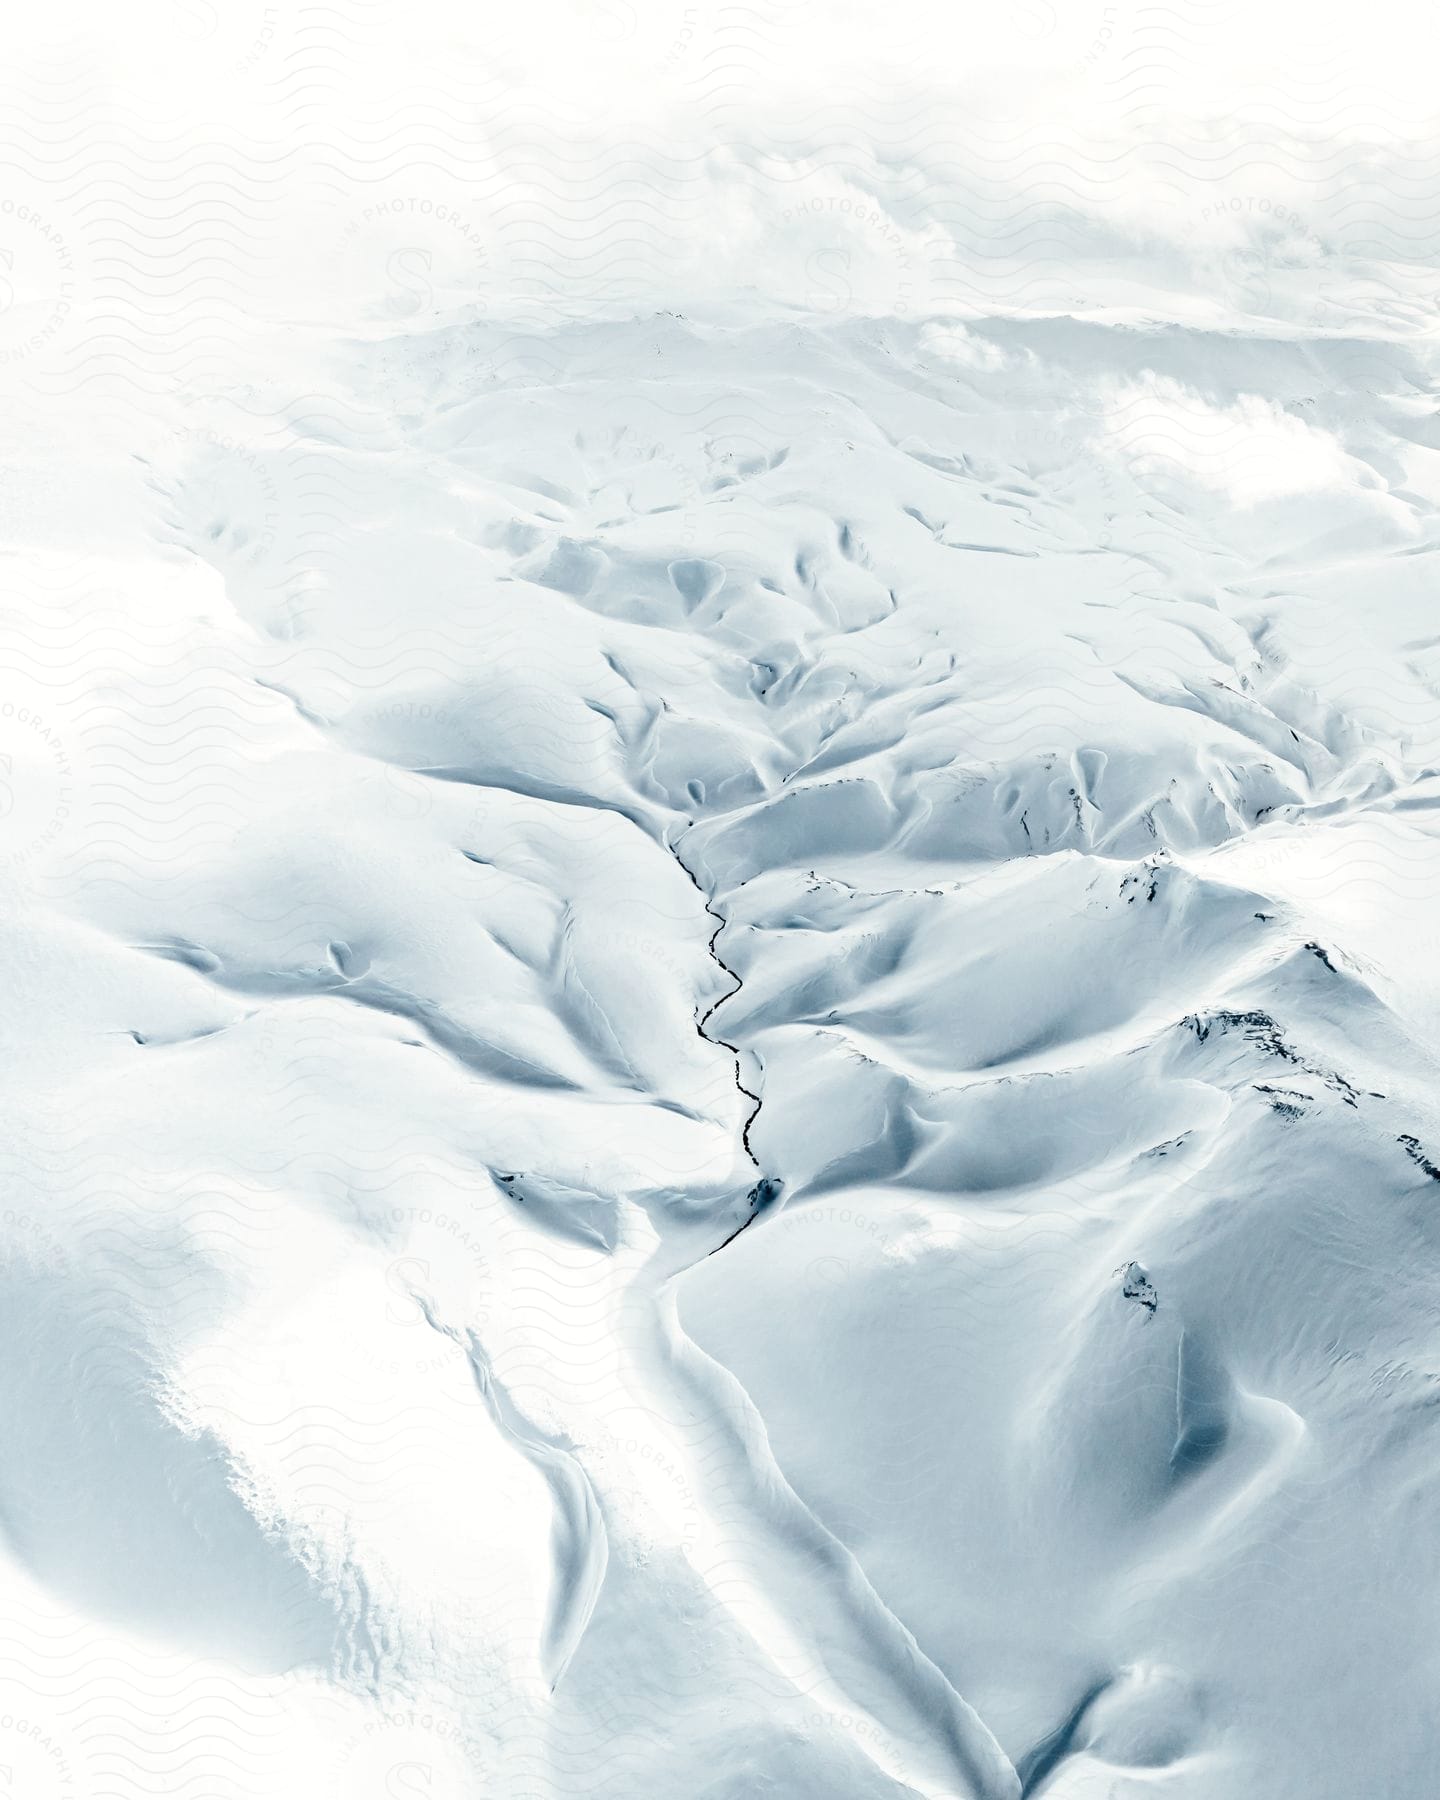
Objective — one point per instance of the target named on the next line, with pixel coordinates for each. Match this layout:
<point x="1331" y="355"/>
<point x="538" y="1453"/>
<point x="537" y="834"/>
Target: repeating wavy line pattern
<point x="716" y="762"/>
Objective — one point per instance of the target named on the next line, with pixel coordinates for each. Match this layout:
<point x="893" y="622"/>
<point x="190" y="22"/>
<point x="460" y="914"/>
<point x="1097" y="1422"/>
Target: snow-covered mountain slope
<point x="723" y="1020"/>
<point x="755" y="1111"/>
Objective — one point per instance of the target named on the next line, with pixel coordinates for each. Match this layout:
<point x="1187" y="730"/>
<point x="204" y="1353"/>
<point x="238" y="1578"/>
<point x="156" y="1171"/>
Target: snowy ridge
<point x="723" y="1013"/>
<point x="785" y="957"/>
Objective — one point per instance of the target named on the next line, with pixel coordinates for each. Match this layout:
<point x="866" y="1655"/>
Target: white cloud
<point x="1251" y="451"/>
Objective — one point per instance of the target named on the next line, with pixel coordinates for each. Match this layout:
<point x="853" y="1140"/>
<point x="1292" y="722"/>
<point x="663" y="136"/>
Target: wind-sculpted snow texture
<point x="722" y="1007"/>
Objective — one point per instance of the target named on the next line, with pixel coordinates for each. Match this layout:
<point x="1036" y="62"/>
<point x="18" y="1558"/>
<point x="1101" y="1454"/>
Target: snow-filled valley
<point x="722" y="1005"/>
